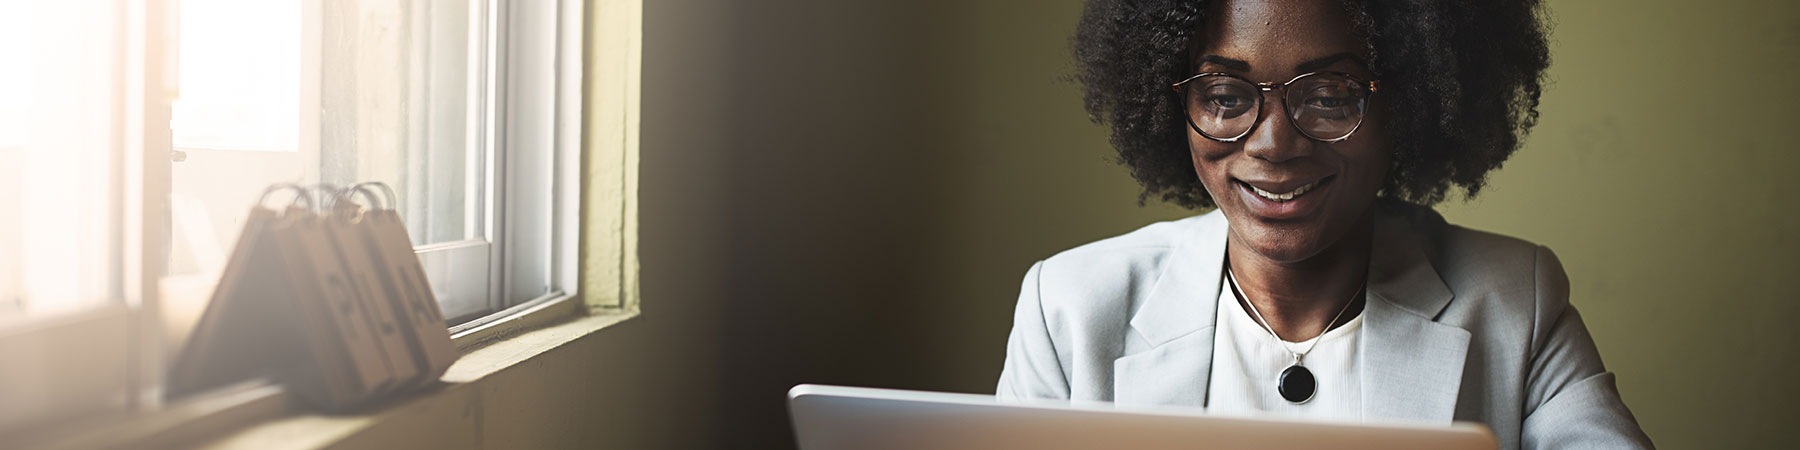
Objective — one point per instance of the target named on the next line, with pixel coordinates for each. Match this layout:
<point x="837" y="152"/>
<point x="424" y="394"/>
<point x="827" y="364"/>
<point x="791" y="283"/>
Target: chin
<point x="1282" y="244"/>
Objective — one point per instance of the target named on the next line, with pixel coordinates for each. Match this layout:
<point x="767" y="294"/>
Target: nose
<point x="1275" y="139"/>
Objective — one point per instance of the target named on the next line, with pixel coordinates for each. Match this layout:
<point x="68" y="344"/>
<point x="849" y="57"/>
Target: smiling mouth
<point x="1279" y="197"/>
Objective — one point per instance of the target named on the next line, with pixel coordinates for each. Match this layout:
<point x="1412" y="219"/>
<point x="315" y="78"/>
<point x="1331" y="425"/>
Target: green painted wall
<point x="849" y="191"/>
<point x="1661" y="174"/>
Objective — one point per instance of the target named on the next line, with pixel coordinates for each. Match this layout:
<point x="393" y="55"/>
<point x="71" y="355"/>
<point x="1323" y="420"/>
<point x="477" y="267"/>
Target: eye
<point x="1327" y="102"/>
<point x="1226" y="99"/>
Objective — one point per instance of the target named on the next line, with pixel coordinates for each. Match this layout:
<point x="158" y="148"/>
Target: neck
<point x="1298" y="299"/>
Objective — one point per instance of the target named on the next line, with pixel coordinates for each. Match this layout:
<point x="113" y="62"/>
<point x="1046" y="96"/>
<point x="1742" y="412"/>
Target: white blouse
<point x="1247" y="361"/>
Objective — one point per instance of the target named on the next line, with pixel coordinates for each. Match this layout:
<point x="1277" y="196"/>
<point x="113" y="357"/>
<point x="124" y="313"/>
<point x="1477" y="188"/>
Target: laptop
<point x="841" y="418"/>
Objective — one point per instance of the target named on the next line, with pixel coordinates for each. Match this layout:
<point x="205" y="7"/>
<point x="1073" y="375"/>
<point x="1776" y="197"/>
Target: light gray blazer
<point x="1459" y="325"/>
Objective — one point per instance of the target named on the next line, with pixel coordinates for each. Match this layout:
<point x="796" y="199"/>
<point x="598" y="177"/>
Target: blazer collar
<point x="1186" y="293"/>
<point x="1176" y="318"/>
<point x="1399" y="269"/>
<point x="1412" y="365"/>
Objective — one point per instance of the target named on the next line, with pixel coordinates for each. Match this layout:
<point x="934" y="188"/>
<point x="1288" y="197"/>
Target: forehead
<point x="1275" y="35"/>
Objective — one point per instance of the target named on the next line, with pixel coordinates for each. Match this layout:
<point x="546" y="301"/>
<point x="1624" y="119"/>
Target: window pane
<point x="337" y="92"/>
<point x="240" y="75"/>
<point x="236" y="120"/>
<point x="58" y="141"/>
<point x="392" y="104"/>
<point x="400" y="72"/>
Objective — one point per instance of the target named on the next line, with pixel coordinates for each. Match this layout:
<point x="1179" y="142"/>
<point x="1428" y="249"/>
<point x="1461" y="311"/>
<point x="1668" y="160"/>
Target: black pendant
<point x="1296" y="384"/>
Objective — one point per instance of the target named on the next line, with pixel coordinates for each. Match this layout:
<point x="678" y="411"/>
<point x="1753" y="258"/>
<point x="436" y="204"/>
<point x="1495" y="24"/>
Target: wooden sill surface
<point x="261" y="417"/>
<point x="316" y="431"/>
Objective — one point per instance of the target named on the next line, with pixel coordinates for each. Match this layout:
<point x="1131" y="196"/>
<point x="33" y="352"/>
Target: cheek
<point x="1378" y="149"/>
<point x="1208" y="157"/>
<point x="1370" y="158"/>
<point x="1376" y="160"/>
<point x="1369" y="153"/>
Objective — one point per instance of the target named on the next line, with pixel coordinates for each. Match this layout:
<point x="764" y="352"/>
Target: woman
<point x="1320" y="286"/>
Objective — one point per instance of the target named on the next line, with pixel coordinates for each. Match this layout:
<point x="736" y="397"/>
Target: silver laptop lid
<point x="843" y="418"/>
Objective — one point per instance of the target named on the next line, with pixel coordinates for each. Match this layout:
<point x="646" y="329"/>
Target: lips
<point x="1284" y="196"/>
<point x="1291" y="199"/>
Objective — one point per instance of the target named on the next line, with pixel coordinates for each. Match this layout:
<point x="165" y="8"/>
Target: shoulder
<point x="1492" y="277"/>
<point x="1107" y="274"/>
<point x="1471" y="260"/>
<point x="1126" y="253"/>
<point x="1530" y="355"/>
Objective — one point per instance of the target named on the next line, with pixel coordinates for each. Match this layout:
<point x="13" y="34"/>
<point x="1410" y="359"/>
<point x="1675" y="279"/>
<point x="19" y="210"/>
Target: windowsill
<point x="258" y="415"/>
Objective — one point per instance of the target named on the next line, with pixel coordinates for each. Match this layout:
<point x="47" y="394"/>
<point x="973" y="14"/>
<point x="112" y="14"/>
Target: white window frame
<point x="542" y="135"/>
<point x="538" y="123"/>
<point x="73" y="380"/>
<point x="526" y="121"/>
<point x="463" y="269"/>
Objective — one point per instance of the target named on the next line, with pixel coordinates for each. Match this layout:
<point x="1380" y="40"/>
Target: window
<point x="64" y="290"/>
<point x="136" y="134"/>
<point x="418" y="95"/>
<point x="57" y="133"/>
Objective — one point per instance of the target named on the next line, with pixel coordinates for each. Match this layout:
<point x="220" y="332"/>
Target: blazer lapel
<point x="1176" y="319"/>
<point x="1412" y="365"/>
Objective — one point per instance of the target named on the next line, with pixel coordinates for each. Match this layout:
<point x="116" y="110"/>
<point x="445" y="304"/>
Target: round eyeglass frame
<point x="1371" y="87"/>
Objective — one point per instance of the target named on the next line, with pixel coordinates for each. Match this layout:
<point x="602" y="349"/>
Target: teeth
<point x="1284" y="196"/>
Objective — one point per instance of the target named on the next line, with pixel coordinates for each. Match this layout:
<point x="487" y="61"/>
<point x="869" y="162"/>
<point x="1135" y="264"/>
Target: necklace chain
<point x="1298" y="356"/>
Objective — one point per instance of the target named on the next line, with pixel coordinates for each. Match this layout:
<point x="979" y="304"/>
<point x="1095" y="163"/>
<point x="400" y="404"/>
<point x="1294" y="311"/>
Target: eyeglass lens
<point x="1323" y="106"/>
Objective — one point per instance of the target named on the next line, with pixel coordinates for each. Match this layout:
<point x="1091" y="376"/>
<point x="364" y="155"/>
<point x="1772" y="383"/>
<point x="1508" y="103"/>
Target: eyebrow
<point x="1233" y="64"/>
<point x="1312" y="65"/>
<point x="1320" y="63"/>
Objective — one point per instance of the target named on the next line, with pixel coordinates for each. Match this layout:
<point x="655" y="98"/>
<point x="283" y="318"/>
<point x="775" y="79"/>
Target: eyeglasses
<point x="1324" y="106"/>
